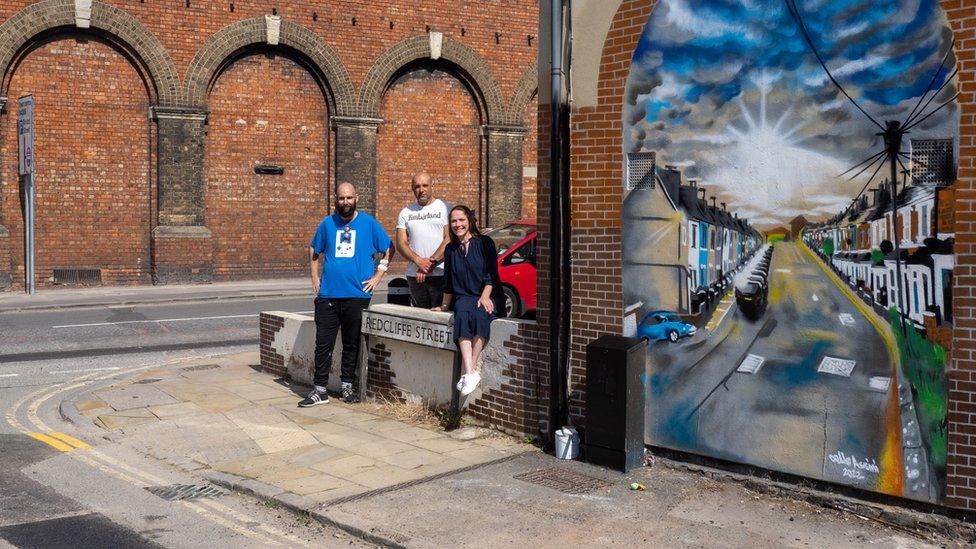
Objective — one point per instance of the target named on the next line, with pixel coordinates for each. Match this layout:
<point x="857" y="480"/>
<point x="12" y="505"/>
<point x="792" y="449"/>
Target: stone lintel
<point x="181" y="231"/>
<point x="356" y="121"/>
<point x="501" y="129"/>
<point x="179" y="113"/>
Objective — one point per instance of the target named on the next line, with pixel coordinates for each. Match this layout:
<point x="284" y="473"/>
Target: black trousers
<point x="333" y="315"/>
<point x="426" y="294"/>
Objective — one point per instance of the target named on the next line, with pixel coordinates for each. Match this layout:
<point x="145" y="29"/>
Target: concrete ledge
<point x="181" y="231"/>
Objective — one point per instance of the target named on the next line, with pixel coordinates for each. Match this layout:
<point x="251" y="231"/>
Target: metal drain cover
<point x="201" y="367"/>
<point x="178" y="492"/>
<point x="564" y="480"/>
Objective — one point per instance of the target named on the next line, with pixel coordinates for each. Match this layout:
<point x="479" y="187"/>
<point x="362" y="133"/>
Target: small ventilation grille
<point x="77" y="276"/>
<point x="640" y="170"/>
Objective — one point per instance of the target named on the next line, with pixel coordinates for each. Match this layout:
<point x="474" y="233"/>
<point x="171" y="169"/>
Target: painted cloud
<point x="729" y="90"/>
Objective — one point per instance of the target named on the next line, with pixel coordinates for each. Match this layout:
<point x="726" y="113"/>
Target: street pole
<point x="892" y="138"/>
<point x="25" y="143"/>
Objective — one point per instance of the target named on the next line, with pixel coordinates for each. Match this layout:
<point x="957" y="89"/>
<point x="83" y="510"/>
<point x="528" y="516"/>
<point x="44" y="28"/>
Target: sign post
<point x="25" y="140"/>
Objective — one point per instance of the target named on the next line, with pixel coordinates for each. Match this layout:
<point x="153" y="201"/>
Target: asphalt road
<point x="787" y="416"/>
<point x="84" y="332"/>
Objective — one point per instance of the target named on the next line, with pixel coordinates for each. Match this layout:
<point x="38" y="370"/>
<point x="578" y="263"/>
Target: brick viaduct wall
<point x="152" y="115"/>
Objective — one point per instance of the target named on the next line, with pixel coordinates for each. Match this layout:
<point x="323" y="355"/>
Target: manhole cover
<point x="201" y="367"/>
<point x="177" y="492"/>
<point x="563" y="480"/>
<point x="147" y="381"/>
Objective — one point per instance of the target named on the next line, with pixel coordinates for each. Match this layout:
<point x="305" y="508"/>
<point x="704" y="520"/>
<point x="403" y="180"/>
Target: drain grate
<point x="201" y="367"/>
<point x="179" y="492"/>
<point x="147" y="381"/>
<point x="563" y="480"/>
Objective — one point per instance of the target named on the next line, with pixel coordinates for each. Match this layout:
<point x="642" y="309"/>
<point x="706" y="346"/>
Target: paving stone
<point x="128" y="418"/>
<point x="347" y="466"/>
<point x="179" y="409"/>
<point x="347" y="441"/>
<point x="413" y="458"/>
<point x="442" y="445"/>
<point x="382" y="477"/>
<point x="134" y="396"/>
<point x="337" y="493"/>
<point x="87" y="405"/>
<point x="382" y="448"/>
<point x="289" y="441"/>
<point x="328" y="428"/>
<point x="313" y="484"/>
<point x="475" y="455"/>
<point x="279" y="475"/>
<point x="318" y="455"/>
<point x="411" y="434"/>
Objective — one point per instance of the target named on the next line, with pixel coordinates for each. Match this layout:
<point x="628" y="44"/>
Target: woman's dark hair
<point x="472" y="222"/>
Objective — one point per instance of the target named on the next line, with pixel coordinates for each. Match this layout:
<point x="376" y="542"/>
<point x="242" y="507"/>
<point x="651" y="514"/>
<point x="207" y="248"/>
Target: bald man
<point x="421" y="236"/>
<point x="345" y="271"/>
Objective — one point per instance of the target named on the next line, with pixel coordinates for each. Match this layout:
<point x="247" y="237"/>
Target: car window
<point x="674" y="318"/>
<point x="505" y="237"/>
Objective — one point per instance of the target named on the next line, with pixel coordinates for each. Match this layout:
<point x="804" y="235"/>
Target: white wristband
<point x="385" y="262"/>
<point x="381" y="267"/>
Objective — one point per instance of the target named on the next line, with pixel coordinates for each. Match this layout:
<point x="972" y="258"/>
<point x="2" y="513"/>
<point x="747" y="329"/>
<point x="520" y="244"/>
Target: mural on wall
<point x="796" y="300"/>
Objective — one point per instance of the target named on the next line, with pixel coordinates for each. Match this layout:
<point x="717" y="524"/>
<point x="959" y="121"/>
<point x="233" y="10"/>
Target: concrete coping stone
<point x="182" y="231"/>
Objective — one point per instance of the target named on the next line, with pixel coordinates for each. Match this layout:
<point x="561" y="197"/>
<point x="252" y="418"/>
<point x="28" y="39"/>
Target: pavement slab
<point x="134" y="396"/>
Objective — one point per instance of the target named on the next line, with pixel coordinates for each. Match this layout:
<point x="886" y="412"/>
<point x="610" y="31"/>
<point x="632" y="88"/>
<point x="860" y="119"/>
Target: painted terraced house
<point x="688" y="246"/>
<point x="858" y="242"/>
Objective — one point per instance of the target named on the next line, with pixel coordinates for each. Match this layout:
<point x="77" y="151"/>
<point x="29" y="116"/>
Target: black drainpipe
<point x="559" y="229"/>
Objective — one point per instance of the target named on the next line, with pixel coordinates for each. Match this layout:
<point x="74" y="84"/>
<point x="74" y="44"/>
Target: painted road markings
<point x="786" y="271"/>
<point x="846" y="319"/>
<point x="70" y="440"/>
<point x="751" y="364"/>
<point x="52" y="442"/>
<point x="879" y="383"/>
<point x="814" y="297"/>
<point x="9" y="375"/>
<point x="112" y="369"/>
<point x="836" y="366"/>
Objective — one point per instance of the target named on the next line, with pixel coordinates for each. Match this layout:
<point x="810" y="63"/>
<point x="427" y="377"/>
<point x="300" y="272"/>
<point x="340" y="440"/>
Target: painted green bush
<point x="923" y="363"/>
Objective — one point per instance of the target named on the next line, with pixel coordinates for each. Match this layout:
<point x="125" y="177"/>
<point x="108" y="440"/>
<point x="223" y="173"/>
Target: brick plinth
<point x="270" y="324"/>
<point x="182" y="254"/>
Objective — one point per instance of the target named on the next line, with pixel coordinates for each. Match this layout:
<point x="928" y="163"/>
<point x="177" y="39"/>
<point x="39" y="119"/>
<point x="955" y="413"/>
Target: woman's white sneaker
<point x="471" y="382"/>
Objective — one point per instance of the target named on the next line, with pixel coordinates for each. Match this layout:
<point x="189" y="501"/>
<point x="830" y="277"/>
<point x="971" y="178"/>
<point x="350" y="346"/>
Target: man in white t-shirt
<point x="421" y="235"/>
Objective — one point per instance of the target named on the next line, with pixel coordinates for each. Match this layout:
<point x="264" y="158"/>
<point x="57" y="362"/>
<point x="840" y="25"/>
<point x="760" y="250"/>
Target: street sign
<point x="25" y="133"/>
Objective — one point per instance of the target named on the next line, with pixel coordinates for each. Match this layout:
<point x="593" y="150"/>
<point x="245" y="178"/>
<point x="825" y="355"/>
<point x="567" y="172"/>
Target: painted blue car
<point x="664" y="326"/>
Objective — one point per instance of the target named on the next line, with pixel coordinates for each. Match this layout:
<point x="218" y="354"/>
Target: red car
<point x="516" y="243"/>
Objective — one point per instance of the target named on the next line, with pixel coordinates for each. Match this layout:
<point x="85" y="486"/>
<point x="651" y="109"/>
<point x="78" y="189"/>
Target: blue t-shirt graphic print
<point x="348" y="250"/>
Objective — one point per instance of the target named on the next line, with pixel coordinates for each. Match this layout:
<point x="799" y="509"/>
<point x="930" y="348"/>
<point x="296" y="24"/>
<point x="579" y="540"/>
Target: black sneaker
<point x="314" y="398"/>
<point x="348" y="395"/>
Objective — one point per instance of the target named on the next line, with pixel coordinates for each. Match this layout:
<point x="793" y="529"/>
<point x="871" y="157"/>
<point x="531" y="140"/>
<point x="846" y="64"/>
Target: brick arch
<point x="118" y="26"/>
<point x="473" y="69"/>
<point x="525" y="90"/>
<point x="211" y="58"/>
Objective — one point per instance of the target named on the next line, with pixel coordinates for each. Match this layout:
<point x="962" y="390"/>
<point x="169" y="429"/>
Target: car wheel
<point x="672" y="336"/>
<point x="513" y="305"/>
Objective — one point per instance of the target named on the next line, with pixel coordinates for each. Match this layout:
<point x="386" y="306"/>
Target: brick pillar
<point x="182" y="246"/>
<point x="504" y="174"/>
<point x="5" y="279"/>
<point x="356" y="156"/>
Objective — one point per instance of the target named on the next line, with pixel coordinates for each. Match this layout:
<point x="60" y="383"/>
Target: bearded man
<point x="343" y="255"/>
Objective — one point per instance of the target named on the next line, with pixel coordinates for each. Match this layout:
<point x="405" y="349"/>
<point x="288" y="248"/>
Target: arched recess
<point x="267" y="106"/>
<point x="468" y="66"/>
<point x="93" y="145"/>
<point x="523" y="110"/>
<point x="321" y="58"/>
<point x="117" y="26"/>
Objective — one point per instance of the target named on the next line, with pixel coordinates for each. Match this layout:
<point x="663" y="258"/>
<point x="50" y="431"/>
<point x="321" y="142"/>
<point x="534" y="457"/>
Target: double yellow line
<point x="59" y="441"/>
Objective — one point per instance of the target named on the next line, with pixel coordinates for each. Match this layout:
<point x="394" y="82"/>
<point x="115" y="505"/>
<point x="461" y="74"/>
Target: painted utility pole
<point x="25" y="141"/>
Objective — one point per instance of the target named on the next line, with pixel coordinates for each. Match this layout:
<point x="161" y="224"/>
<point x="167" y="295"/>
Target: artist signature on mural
<point x="854" y="468"/>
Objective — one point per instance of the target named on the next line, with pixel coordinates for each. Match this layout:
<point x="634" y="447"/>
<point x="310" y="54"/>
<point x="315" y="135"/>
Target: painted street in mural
<point x="797" y="303"/>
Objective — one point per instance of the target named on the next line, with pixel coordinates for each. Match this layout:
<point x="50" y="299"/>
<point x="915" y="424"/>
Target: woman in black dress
<point x="471" y="284"/>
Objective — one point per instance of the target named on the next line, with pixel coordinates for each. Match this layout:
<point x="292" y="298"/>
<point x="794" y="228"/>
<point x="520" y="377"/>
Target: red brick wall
<point x="961" y="468"/>
<point x="265" y="109"/>
<point x="530" y="159"/>
<point x="93" y="159"/>
<point x="596" y="175"/>
<point x="431" y="123"/>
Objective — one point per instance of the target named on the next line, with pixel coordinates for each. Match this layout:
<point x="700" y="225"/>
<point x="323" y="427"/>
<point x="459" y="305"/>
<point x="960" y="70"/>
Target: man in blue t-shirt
<point x="343" y="254"/>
